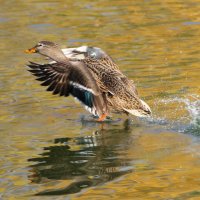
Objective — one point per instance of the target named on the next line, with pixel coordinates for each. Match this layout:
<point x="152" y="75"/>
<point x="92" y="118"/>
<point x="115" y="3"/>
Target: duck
<point x="91" y="76"/>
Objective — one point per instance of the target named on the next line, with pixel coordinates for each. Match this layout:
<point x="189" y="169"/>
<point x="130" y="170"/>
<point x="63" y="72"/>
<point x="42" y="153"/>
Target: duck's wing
<point x="96" y="56"/>
<point x="90" y="53"/>
<point x="72" y="78"/>
<point x="76" y="53"/>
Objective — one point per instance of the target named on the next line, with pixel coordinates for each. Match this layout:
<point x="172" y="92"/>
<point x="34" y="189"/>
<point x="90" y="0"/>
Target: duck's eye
<point x="39" y="45"/>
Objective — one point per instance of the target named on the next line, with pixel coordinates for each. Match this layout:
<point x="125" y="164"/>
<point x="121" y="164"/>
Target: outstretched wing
<point x="71" y="79"/>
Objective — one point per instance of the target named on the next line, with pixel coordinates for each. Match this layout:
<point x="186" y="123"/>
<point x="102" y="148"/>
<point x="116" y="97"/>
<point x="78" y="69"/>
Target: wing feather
<point x="70" y="78"/>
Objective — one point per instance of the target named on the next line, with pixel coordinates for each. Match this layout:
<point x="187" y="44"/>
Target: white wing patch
<point x="92" y="110"/>
<point x="73" y="53"/>
<point x="82" y="49"/>
<point x="77" y="85"/>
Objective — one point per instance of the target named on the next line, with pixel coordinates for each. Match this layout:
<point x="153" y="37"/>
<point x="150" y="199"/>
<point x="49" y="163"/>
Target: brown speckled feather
<point x="120" y="92"/>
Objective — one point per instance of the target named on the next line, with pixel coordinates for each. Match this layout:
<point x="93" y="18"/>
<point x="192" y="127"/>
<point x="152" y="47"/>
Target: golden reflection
<point x="156" y="44"/>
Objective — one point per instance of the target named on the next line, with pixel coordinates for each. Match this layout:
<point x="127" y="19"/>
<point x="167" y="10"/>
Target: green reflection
<point x="88" y="160"/>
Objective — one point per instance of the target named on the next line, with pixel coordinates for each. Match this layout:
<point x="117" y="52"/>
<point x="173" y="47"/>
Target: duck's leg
<point x="102" y="118"/>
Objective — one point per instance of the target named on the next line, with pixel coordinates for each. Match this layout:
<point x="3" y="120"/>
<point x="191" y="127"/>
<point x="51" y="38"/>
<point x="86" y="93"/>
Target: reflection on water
<point x="88" y="160"/>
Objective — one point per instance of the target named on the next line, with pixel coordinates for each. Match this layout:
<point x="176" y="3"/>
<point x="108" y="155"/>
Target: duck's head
<point x="49" y="49"/>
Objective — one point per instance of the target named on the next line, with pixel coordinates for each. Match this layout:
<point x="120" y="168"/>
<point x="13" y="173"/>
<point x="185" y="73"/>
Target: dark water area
<point x="89" y="160"/>
<point x="49" y="150"/>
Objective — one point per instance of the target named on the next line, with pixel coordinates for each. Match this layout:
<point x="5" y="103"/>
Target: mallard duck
<point x="91" y="76"/>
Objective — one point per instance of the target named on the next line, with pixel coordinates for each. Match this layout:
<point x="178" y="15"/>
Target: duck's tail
<point x="143" y="111"/>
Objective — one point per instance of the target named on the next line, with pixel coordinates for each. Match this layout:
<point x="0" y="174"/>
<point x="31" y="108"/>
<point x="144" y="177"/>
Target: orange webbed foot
<point x="102" y="118"/>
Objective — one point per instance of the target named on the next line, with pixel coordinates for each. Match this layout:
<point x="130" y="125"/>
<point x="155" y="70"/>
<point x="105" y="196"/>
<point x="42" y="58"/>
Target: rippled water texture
<point x="48" y="148"/>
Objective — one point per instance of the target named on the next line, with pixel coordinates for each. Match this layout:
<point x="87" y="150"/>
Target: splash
<point x="193" y="108"/>
<point x="188" y="123"/>
<point x="192" y="105"/>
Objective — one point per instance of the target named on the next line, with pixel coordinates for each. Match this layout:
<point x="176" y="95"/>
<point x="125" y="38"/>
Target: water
<point x="48" y="150"/>
<point x="190" y="122"/>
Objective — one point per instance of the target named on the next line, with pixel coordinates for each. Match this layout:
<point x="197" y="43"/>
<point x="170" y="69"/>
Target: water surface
<point x="47" y="148"/>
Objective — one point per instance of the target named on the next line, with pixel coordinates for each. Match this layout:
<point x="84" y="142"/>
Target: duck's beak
<point x="31" y="50"/>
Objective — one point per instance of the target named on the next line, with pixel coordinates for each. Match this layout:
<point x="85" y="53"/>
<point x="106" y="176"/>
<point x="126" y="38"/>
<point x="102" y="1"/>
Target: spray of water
<point x="186" y="124"/>
<point x="193" y="108"/>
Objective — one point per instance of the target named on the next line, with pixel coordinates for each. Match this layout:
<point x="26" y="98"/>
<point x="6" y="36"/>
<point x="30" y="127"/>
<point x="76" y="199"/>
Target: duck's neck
<point x="59" y="57"/>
